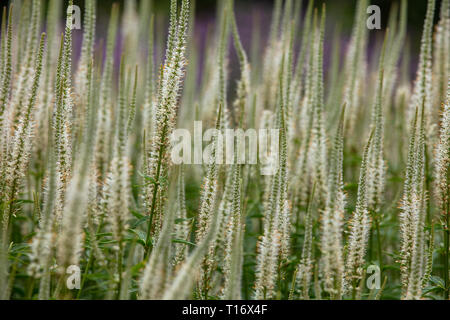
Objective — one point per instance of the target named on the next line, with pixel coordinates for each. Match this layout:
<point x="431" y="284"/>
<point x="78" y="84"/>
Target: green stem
<point x="83" y="280"/>
<point x="148" y="245"/>
<point x="90" y="261"/>
<point x="446" y="264"/>
<point x="59" y="287"/>
<point x="446" y="207"/>
<point x="30" y="289"/>
<point x="380" y="255"/>
<point x="292" y="290"/>
<point x="120" y="268"/>
<point x="205" y="288"/>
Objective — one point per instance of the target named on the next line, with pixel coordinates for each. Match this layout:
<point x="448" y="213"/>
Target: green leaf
<point x="141" y="236"/>
<point x="184" y="242"/>
<point x="180" y="220"/>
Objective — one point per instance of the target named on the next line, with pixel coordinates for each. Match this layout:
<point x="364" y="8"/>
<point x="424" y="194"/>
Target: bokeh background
<point x="253" y="14"/>
<point x="256" y="14"/>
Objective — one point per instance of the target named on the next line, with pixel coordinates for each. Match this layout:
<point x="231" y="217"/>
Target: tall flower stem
<point x="447" y="241"/>
<point x="148" y="244"/>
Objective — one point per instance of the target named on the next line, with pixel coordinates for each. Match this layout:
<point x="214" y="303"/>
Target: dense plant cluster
<point x="87" y="180"/>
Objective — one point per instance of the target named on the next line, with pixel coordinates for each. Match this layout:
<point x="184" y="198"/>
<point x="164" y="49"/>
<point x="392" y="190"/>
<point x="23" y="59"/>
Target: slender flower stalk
<point x="273" y="247"/>
<point x="20" y="147"/>
<point x="24" y="76"/>
<point x="423" y="82"/>
<point x="413" y="214"/>
<point x="3" y="44"/>
<point x="332" y="223"/>
<point x="17" y="161"/>
<point x="165" y="116"/>
<point x="103" y="146"/>
<point x="234" y="242"/>
<point x="149" y="82"/>
<point x="359" y="229"/>
<point x="417" y="267"/>
<point x="208" y="207"/>
<point x="76" y="200"/>
<point x="442" y="185"/>
<point x="5" y="91"/>
<point x="183" y="223"/>
<point x="63" y="114"/>
<point x="182" y="283"/>
<point x="158" y="270"/>
<point x="376" y="166"/>
<point x="243" y="85"/>
<point x="305" y="268"/>
<point x="117" y="186"/>
<point x="355" y="66"/>
<point x="441" y="71"/>
<point x="87" y="49"/>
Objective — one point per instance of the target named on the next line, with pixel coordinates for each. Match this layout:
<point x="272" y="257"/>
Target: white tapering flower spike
<point x="394" y="50"/>
<point x="312" y="157"/>
<point x="16" y="162"/>
<point x="406" y="217"/>
<point x="269" y="246"/>
<point x="63" y="114"/>
<point x="210" y="184"/>
<point x="23" y="82"/>
<point x="103" y="147"/>
<point x="59" y="133"/>
<point x="243" y="85"/>
<point x="423" y="83"/>
<point x="376" y="164"/>
<point x="149" y="81"/>
<point x="273" y="247"/>
<point x="47" y="92"/>
<point x="3" y="43"/>
<point x="43" y="243"/>
<point x="20" y="147"/>
<point x="234" y="242"/>
<point x="182" y="227"/>
<point x="87" y="48"/>
<point x="208" y="207"/>
<point x="355" y="66"/>
<point x="413" y="256"/>
<point x="158" y="270"/>
<point x="132" y="105"/>
<point x="298" y="80"/>
<point x="5" y="91"/>
<point x="117" y="187"/>
<point x="320" y="139"/>
<point x="442" y="180"/>
<point x="332" y="219"/>
<point x="418" y="211"/>
<point x="359" y="229"/>
<point x="441" y="63"/>
<point x="165" y="115"/>
<point x="284" y="203"/>
<point x="76" y="199"/>
<point x="180" y="287"/>
<point x="305" y="268"/>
